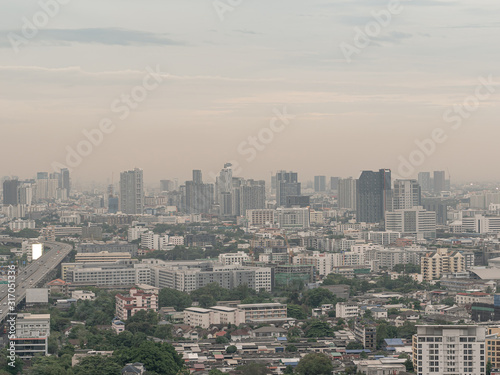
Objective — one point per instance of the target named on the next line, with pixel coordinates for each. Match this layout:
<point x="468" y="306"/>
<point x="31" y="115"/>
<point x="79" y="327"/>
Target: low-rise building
<point x="346" y="310"/>
<point x="32" y="333"/>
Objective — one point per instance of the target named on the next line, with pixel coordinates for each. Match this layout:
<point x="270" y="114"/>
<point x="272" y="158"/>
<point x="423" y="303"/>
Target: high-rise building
<point x="439" y="207"/>
<point x="347" y="193"/>
<point x="198" y="197"/>
<point x="373" y="195"/>
<point x="319" y="184"/>
<point x="252" y="195"/>
<point x="449" y="349"/>
<point x="425" y="181"/>
<point x="10" y="192"/>
<point x="439" y="181"/>
<point x="42" y="176"/>
<point x="25" y="193"/>
<point x="65" y="182"/>
<point x="286" y="184"/>
<point x="197" y="176"/>
<point x="334" y="183"/>
<point x="413" y="221"/>
<point x="132" y="192"/>
<point x="406" y="194"/>
<point x="166" y="185"/>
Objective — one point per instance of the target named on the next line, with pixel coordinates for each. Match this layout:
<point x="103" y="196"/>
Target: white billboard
<point x="36" y="251"/>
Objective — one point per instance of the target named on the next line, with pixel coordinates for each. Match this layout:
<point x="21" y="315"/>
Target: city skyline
<point x="396" y="91"/>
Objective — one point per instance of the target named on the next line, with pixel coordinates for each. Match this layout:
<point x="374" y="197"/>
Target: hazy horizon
<point x="226" y="77"/>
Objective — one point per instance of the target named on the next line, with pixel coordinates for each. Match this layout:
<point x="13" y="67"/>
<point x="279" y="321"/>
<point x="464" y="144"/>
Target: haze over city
<point x="226" y="72"/>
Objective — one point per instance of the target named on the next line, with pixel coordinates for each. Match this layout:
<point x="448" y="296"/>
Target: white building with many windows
<point x="448" y="349"/>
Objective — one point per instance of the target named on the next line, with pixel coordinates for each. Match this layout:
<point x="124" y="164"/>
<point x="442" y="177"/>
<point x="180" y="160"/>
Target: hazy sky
<point x="224" y="78"/>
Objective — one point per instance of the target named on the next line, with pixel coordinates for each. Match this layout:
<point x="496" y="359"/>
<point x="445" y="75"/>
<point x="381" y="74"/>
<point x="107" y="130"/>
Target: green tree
<point x="231" y="349"/>
<point x="174" y="298"/>
<point x="106" y="366"/>
<point x="409" y="365"/>
<point x="315" y="364"/>
<point x="221" y="340"/>
<point x="354" y="345"/>
<point x="157" y="357"/>
<point x="4" y="363"/>
<point x="50" y="366"/>
<point x="253" y="369"/>
<point x="318" y="328"/>
<point x="291" y="348"/>
<point x="214" y="371"/>
<point x="288" y="370"/>
<point x="296" y="311"/>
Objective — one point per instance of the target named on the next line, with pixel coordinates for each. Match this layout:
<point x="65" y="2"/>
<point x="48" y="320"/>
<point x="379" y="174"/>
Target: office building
<point x="100" y="257"/>
<point x="298" y="201"/>
<point x="373" y="196"/>
<point x="295" y="217"/>
<point x="347" y="193"/>
<point x="32" y="333"/>
<point x="260" y="218"/>
<point x="439" y="182"/>
<point x="414" y="221"/>
<point x="319" y="184"/>
<point x="449" y="349"/>
<point x="264" y="312"/>
<point x="65" y="181"/>
<point x="425" y="181"/>
<point x="286" y="185"/>
<point x="442" y="261"/>
<point x="439" y="206"/>
<point x="406" y="194"/>
<point x="132" y="192"/>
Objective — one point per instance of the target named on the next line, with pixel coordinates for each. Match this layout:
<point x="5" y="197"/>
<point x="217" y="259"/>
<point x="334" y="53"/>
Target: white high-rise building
<point x="347" y="193"/>
<point x="449" y="349"/>
<point x="295" y="217"/>
<point x="406" y="194"/>
<point x="132" y="192"/>
<point x="412" y="222"/>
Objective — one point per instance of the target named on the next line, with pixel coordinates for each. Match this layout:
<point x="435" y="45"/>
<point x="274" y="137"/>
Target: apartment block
<point x="457" y="350"/>
<point x="443" y="261"/>
<point x="346" y="310"/>
<point x="137" y="300"/>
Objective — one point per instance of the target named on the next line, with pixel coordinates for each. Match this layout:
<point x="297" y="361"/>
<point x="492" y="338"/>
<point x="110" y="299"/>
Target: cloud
<point x="107" y="36"/>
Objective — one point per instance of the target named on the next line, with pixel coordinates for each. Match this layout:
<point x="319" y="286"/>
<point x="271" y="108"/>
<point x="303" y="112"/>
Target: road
<point x="31" y="275"/>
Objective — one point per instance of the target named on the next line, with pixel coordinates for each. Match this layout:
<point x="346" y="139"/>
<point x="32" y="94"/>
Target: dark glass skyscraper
<point x="373" y="195"/>
<point x="10" y="192"/>
<point x="286" y="185"/>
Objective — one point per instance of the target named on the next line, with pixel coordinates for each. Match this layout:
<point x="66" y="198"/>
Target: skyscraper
<point x="319" y="184"/>
<point x="373" y="195"/>
<point x="425" y="181"/>
<point x="65" y="180"/>
<point x="132" y="192"/>
<point x="10" y="192"/>
<point x="224" y="190"/>
<point x="439" y="182"/>
<point x="199" y="197"/>
<point x="347" y="193"/>
<point x="286" y="184"/>
<point x="334" y="183"/>
<point x="406" y="194"/>
<point x="166" y="185"/>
